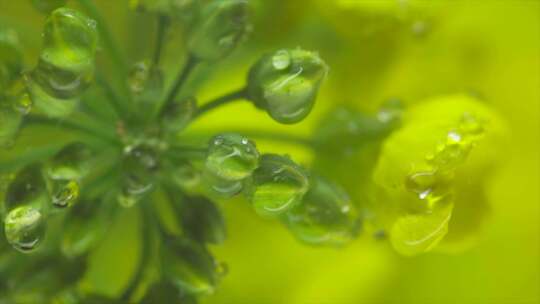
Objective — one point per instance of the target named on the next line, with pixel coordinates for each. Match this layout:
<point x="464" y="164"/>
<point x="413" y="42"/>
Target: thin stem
<point x="146" y="231"/>
<point x="163" y="22"/>
<point x="183" y="75"/>
<point x="69" y="125"/>
<point x="113" y="98"/>
<point x="178" y="152"/>
<point x="108" y="42"/>
<point x="220" y="101"/>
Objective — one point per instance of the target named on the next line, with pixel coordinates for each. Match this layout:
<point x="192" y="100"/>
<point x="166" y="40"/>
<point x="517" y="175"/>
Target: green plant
<point x="128" y="146"/>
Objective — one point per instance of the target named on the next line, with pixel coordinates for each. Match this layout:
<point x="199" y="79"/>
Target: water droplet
<point x="65" y="193"/>
<point x="231" y="157"/>
<point x="287" y="94"/>
<point x="281" y="60"/>
<point x="24" y="227"/>
<point x="277" y="185"/>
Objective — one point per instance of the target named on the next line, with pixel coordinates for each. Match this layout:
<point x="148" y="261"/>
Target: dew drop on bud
<point x="277" y="185"/>
<point x="285" y="83"/>
<point x="24" y="227"/>
<point x="231" y="157"/>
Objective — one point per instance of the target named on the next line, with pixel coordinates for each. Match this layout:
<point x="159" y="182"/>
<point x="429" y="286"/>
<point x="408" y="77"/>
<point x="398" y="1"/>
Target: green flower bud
<point x="24" y="227"/>
<point x="277" y="186"/>
<point x="326" y="216"/>
<point x="222" y="25"/>
<point x="11" y="59"/>
<point x="285" y="83"/>
<point x="448" y="139"/>
<point x="231" y="157"/>
<point x="47" y="6"/>
<point x="66" y="64"/>
<point x="190" y="267"/>
<point x="203" y="221"/>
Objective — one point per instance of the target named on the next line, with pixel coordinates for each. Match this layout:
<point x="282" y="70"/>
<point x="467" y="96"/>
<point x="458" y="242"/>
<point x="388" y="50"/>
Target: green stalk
<point x="70" y="126"/>
<point x="220" y="101"/>
<point x="183" y="75"/>
<point x="162" y="25"/>
<point x="146" y="232"/>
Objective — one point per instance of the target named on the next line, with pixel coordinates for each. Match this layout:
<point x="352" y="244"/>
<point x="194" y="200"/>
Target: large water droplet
<point x="231" y="157"/>
<point x="277" y="185"/>
<point x="24" y="227"/>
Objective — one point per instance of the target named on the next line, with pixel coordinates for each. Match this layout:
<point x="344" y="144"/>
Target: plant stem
<point x="162" y="24"/>
<point x="108" y="42"/>
<point x="69" y="125"/>
<point x="146" y="232"/>
<point x="183" y="75"/>
<point x="113" y="98"/>
<point x="220" y="101"/>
